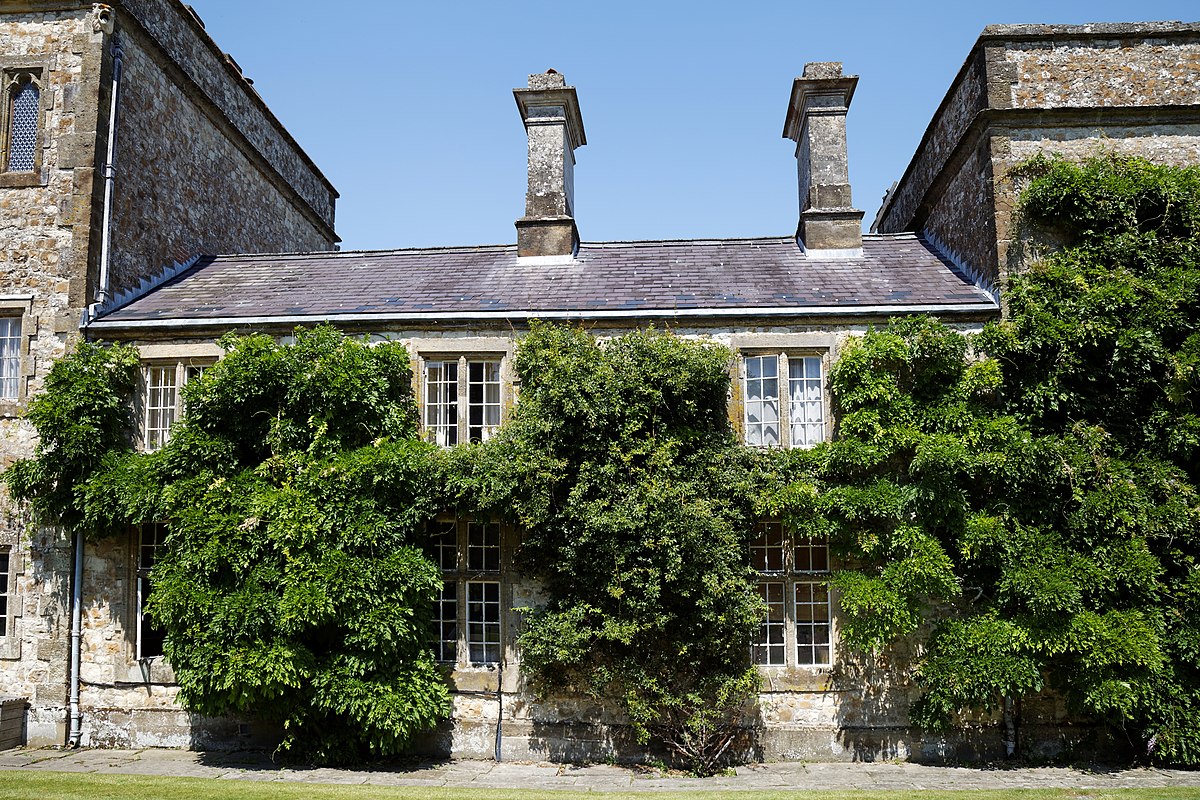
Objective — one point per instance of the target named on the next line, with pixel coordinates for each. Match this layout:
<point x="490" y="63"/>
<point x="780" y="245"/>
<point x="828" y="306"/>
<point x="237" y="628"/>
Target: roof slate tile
<point x="727" y="274"/>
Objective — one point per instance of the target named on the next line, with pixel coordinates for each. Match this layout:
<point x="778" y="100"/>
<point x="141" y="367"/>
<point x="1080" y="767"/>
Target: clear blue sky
<point x="408" y="109"/>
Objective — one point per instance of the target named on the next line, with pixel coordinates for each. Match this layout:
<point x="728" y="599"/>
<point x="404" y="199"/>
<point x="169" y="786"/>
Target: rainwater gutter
<point x="984" y="309"/>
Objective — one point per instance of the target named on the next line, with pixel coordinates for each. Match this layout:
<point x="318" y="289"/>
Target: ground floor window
<point x="5" y="575"/>
<point x="468" y="614"/>
<point x="149" y="635"/>
<point x="797" y="627"/>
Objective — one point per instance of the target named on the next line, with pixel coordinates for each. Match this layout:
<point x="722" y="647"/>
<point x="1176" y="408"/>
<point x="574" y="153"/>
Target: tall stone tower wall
<point x="1075" y="90"/>
<point x="201" y="166"/>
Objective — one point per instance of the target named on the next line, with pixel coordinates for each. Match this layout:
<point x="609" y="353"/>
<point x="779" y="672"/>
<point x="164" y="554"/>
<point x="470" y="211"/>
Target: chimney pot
<point x="553" y="123"/>
<point x="816" y="121"/>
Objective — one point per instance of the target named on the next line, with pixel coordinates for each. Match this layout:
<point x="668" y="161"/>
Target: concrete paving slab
<point x="258" y="767"/>
<point x="334" y="776"/>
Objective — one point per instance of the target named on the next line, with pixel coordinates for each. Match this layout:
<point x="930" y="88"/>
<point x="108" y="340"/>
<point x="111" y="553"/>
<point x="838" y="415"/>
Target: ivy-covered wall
<point x="1011" y="513"/>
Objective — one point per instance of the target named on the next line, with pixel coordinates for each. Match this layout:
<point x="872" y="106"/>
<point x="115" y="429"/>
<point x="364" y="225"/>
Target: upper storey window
<point x="10" y="358"/>
<point x="784" y="400"/>
<point x="23" y="99"/>
<point x="462" y="399"/>
<point x="162" y="402"/>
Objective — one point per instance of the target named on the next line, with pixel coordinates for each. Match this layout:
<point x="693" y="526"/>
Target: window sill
<point x="20" y="180"/>
<point x="815" y="678"/>
<point x="473" y="678"/>
<point x="10" y="646"/>
<point x="153" y="670"/>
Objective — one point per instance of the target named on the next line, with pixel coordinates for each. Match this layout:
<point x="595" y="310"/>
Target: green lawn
<point x="65" y="786"/>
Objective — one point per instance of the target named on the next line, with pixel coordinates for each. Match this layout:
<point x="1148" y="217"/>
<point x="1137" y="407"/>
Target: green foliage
<point x="633" y="494"/>
<point x="1023" y="502"/>
<point x="82" y="418"/>
<point x="293" y="586"/>
<point x="1030" y="498"/>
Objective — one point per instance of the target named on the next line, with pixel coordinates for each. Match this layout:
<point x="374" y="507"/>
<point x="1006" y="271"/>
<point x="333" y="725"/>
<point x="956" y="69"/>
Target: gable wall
<point x="201" y="165"/>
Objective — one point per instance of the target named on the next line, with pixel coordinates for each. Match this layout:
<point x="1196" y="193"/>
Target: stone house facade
<point x="944" y="239"/>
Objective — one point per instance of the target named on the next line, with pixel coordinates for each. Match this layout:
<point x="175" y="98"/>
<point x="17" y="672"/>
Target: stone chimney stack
<point x="816" y="122"/>
<point x="550" y="110"/>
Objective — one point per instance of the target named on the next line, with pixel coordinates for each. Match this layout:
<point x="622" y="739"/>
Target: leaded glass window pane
<point x="483" y="547"/>
<point x="483" y="621"/>
<point x="441" y="402"/>
<point x="443" y="545"/>
<point x="445" y="623"/>
<point x="766" y="550"/>
<point x="10" y="357"/>
<point x="4" y="593"/>
<point x="483" y="399"/>
<point x="150" y="636"/>
<point x="806" y="401"/>
<point x="812" y="623"/>
<point x="762" y="401"/>
<point x="22" y="127"/>
<point x="811" y="555"/>
<point x="769" y="647"/>
<point x="161" y="405"/>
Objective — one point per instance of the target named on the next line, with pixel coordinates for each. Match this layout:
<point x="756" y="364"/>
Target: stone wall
<point x="216" y="78"/>
<point x="856" y="709"/>
<point x="45" y="223"/>
<point x="965" y="99"/>
<point x="202" y="165"/>
<point x="188" y="185"/>
<point x="1016" y="245"/>
<point x="1026" y="89"/>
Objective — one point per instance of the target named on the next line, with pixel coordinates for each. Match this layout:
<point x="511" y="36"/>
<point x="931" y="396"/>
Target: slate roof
<point x="697" y="278"/>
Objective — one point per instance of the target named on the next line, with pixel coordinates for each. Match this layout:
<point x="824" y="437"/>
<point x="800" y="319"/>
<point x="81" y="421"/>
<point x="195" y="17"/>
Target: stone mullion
<point x="463" y="401"/>
<point x="784" y="387"/>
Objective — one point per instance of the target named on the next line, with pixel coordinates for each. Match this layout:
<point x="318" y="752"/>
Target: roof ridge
<point x="708" y="240"/>
<point x="480" y="248"/>
<point x="344" y="253"/>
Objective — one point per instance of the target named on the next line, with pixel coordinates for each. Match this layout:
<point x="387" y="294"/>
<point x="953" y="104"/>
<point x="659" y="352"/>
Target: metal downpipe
<point x="110" y="173"/>
<point x="76" y="731"/>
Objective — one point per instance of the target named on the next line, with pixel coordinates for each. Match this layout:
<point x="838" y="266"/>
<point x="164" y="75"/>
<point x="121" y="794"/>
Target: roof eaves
<point x="147" y="285"/>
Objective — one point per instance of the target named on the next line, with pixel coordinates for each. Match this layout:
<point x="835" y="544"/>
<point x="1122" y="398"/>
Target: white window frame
<point x="462" y="407"/>
<point x="799" y="398"/>
<point x="469" y="618"/>
<point x="155" y="436"/>
<point x="12" y="341"/>
<point x="793" y="583"/>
